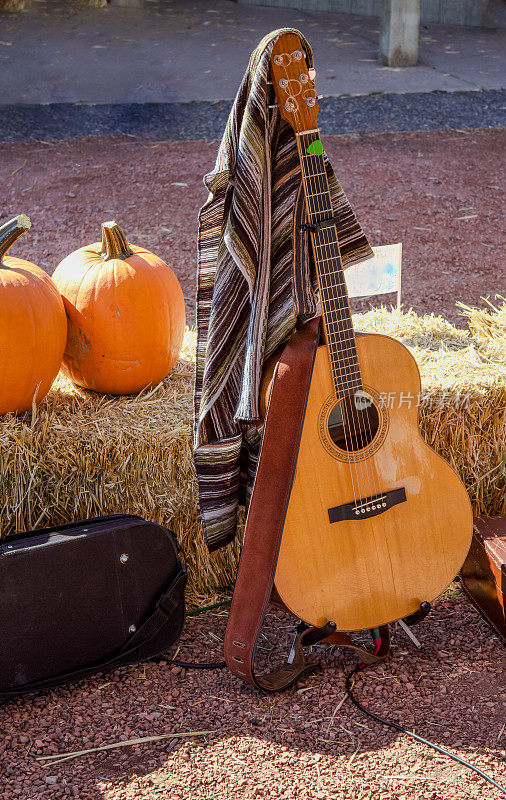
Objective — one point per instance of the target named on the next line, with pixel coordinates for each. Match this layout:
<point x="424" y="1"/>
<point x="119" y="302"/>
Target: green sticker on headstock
<point x="315" y="148"/>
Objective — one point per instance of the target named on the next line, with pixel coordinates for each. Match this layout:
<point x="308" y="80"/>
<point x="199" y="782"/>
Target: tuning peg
<point x="312" y="73"/>
<point x="274" y="105"/>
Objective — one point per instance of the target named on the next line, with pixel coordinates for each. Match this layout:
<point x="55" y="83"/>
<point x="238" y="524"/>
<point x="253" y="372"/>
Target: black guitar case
<point x="86" y="596"/>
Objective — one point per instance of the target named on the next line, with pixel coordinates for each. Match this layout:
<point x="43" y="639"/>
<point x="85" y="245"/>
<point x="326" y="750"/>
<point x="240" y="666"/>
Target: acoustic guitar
<point x="377" y="523"/>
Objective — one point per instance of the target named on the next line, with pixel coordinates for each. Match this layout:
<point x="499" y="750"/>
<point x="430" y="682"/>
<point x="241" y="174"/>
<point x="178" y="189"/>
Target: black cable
<point x="349" y="687"/>
<point x="198" y="664"/>
<point x="189" y="664"/>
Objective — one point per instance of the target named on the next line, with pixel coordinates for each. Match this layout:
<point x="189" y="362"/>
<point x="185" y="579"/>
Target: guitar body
<point x="405" y="543"/>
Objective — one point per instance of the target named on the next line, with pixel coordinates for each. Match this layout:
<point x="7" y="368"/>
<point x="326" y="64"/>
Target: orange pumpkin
<point x="125" y="314"/>
<point x="33" y="327"/>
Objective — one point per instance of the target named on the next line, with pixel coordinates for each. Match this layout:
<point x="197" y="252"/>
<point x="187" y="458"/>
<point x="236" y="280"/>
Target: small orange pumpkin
<point x="125" y="314"/>
<point x="33" y="327"/>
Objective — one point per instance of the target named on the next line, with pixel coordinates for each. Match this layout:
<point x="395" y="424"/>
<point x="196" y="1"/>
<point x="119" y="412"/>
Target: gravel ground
<point x="377" y="112"/>
<point x="305" y="743"/>
<point x="412" y="187"/>
<point x="437" y="192"/>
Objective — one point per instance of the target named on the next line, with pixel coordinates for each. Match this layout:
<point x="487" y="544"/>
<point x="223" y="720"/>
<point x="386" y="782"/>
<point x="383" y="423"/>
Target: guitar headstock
<point x="293" y="83"/>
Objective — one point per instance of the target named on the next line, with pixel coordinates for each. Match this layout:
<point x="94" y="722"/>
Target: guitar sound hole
<point x="354" y="422"/>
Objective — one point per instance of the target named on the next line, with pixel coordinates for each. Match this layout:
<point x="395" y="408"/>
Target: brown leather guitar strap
<point x="264" y="525"/>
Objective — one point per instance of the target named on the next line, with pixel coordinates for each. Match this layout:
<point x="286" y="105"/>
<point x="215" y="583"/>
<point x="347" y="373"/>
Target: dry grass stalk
<point x="79" y="454"/>
<point x="488" y="327"/>
<point x="55" y="758"/>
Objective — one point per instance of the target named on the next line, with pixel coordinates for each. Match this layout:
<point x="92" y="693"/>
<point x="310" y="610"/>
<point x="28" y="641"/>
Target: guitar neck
<point x="338" y="325"/>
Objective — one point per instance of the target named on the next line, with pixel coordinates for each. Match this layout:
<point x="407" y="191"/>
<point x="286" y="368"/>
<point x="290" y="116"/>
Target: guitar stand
<point x="413" y="619"/>
<point x="310" y="635"/>
<point x="306" y="635"/>
<point x="423" y="611"/>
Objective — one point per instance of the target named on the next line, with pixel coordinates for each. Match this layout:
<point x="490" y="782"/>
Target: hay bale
<point x="80" y="454"/>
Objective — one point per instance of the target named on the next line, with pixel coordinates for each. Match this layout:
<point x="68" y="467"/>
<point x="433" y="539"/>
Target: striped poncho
<point x="255" y="282"/>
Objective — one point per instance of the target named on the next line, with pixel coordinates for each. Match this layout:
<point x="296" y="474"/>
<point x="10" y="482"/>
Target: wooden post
<point x="400" y="20"/>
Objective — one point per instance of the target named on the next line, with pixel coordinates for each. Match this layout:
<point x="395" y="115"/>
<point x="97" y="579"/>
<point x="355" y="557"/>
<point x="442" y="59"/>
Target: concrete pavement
<point x="171" y="69"/>
<point x="174" y="51"/>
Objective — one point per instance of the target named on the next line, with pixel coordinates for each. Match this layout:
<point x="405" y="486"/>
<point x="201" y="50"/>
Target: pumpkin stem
<point x="114" y="243"/>
<point x="11" y="231"/>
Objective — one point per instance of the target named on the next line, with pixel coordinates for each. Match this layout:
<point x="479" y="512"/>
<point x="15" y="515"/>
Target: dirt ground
<point x="306" y="743"/>
<point x="437" y="192"/>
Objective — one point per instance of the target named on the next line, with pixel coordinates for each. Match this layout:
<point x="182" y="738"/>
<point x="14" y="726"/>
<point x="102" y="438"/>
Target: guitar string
<point x="341" y="301"/>
<point x="350" y="464"/>
<point x="360" y="439"/>
<point x="342" y="306"/>
<point x="351" y="461"/>
<point x="346" y="379"/>
<point x="328" y="244"/>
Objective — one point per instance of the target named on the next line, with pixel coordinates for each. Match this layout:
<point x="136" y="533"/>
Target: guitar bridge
<point x="368" y="506"/>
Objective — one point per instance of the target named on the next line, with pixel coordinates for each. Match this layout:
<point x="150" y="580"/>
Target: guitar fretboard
<point x="334" y="296"/>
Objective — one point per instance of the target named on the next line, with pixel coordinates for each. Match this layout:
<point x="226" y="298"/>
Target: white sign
<point x="378" y="275"/>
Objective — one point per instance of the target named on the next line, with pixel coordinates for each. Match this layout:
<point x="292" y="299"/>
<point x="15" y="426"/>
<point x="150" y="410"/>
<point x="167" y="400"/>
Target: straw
<point x="79" y="454"/>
